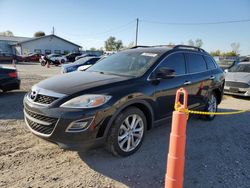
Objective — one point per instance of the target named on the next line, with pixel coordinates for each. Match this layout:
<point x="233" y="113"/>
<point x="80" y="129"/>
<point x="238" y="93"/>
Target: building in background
<point x="42" y="45"/>
<point x="6" y="43"/>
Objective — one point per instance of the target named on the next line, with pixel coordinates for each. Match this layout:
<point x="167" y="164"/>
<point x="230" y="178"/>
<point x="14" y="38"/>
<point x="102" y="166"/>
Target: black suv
<point x="121" y="96"/>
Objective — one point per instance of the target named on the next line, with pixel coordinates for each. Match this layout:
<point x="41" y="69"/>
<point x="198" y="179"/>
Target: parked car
<point x="238" y="80"/>
<point x="55" y="59"/>
<point x="117" y="99"/>
<point x="227" y="64"/>
<point x="70" y="67"/>
<point x="9" y="79"/>
<point x="72" y="56"/>
<point x="84" y="55"/>
<point x="4" y="56"/>
<point x="83" y="68"/>
<point x="33" y="57"/>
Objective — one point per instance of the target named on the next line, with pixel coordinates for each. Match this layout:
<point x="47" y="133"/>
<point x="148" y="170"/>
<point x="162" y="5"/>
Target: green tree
<point x="112" y="45"/>
<point x="7" y="33"/>
<point x="215" y="53"/>
<point x="39" y="34"/>
<point x="93" y="49"/>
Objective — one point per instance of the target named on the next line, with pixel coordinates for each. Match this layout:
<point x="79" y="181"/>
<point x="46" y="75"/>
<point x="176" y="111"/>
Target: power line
<point x="197" y="23"/>
<point x="118" y="28"/>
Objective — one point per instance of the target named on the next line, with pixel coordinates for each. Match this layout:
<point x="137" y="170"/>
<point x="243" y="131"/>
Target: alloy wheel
<point x="130" y="133"/>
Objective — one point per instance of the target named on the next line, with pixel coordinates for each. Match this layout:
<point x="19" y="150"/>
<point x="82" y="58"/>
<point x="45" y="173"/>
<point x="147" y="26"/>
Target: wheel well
<point x="218" y="95"/>
<point x="146" y="112"/>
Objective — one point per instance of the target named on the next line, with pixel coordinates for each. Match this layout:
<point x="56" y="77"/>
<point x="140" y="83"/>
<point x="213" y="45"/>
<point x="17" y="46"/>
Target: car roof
<point x="161" y="49"/>
<point x="158" y="50"/>
<point x="244" y="63"/>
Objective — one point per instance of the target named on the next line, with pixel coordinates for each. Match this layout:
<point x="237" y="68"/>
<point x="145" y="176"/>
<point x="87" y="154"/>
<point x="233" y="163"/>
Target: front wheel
<point x="43" y="63"/>
<point x="126" y="134"/>
<point x="211" y="106"/>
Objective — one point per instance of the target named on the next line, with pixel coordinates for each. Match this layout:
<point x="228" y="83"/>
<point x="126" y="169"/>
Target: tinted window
<point x="175" y="62"/>
<point x="210" y="62"/>
<point x="195" y="63"/>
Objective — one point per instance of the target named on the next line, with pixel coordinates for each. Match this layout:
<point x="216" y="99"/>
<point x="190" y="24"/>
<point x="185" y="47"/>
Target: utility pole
<point x="53" y="31"/>
<point x="136" y="34"/>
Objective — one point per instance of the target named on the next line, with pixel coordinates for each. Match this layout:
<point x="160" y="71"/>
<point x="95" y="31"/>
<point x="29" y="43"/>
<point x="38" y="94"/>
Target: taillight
<point x="13" y="74"/>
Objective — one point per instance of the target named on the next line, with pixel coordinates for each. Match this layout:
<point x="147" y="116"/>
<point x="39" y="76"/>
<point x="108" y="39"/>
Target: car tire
<point x="62" y="61"/>
<point x="124" y="132"/>
<point x="211" y="106"/>
<point x="43" y="63"/>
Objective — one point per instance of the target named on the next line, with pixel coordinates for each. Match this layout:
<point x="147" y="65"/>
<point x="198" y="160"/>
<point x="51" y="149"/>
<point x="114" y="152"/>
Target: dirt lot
<point x="217" y="155"/>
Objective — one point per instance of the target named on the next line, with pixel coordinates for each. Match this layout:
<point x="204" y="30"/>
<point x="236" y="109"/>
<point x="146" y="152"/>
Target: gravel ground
<point x="217" y="152"/>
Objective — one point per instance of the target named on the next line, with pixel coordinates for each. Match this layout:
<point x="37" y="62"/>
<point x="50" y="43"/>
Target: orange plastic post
<point x="48" y="65"/>
<point x="176" y="155"/>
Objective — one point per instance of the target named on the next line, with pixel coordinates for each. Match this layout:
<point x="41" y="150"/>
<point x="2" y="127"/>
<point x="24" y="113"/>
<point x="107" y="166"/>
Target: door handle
<point x="212" y="77"/>
<point x="187" y="82"/>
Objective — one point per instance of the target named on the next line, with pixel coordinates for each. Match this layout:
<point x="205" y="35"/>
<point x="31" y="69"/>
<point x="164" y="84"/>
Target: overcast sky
<point x="90" y="22"/>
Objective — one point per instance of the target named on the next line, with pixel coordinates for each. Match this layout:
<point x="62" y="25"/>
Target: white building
<point x="43" y="45"/>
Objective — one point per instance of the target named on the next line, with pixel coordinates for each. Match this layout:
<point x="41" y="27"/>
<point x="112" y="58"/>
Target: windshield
<point x="241" y="68"/>
<point x="130" y="63"/>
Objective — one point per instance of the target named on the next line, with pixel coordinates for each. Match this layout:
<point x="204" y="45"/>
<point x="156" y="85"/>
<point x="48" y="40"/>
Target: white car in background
<point x="53" y="59"/>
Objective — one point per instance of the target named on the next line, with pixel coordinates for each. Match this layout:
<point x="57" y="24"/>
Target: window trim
<point x="216" y="66"/>
<point x="198" y="71"/>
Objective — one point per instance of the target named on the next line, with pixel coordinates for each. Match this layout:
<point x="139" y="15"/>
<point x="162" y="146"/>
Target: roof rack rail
<point x="139" y="47"/>
<point x="189" y="47"/>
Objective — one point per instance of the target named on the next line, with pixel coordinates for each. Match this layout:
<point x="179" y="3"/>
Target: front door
<point x="166" y="88"/>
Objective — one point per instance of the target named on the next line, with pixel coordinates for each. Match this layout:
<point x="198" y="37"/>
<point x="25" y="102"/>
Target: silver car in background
<point x="238" y="80"/>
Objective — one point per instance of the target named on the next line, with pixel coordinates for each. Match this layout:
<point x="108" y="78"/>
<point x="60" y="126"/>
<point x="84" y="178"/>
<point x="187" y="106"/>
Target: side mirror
<point x="164" y="73"/>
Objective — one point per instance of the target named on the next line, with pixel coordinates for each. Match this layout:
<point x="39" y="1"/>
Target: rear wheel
<point x="62" y="61"/>
<point x="126" y="134"/>
<point x="211" y="106"/>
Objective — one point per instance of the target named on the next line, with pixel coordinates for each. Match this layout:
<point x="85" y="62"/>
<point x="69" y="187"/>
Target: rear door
<point x="201" y="78"/>
<point x="166" y="88"/>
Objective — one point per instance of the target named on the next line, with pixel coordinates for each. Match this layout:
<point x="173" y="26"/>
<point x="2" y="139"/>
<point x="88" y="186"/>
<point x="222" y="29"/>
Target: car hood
<point x="238" y="77"/>
<point x="78" y="81"/>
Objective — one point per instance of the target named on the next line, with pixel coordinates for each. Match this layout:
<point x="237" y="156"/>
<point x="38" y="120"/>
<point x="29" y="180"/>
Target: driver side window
<point x="176" y="62"/>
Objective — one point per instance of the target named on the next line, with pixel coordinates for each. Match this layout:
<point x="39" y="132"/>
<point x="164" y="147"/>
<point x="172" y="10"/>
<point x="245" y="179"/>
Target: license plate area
<point x="234" y="90"/>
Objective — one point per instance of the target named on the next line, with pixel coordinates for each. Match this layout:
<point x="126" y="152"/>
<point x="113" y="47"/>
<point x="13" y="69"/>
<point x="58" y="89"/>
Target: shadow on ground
<point x="11" y="105"/>
<point x="217" y="155"/>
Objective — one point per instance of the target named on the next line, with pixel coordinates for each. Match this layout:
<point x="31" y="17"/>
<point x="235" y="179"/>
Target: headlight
<point x="87" y="101"/>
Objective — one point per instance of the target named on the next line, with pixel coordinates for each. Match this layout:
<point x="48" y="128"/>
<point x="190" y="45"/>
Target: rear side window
<point x="175" y="62"/>
<point x="210" y="62"/>
<point x="195" y="63"/>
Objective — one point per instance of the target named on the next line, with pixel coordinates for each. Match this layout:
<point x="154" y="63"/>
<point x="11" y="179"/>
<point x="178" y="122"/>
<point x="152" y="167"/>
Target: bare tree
<point x="191" y="42"/>
<point x="198" y="43"/>
<point x="235" y="47"/>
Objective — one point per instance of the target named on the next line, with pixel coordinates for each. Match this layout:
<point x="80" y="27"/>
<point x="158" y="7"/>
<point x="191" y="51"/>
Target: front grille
<point x="44" y="99"/>
<point x="237" y="84"/>
<point x="35" y="121"/>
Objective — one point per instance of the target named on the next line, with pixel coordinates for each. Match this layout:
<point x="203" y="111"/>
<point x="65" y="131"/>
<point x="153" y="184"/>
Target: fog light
<point x="79" y="125"/>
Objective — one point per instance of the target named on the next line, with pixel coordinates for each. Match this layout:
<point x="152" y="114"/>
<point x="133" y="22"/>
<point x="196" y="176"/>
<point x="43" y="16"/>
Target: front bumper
<point x="237" y="91"/>
<point x="51" y="124"/>
<point x="11" y="84"/>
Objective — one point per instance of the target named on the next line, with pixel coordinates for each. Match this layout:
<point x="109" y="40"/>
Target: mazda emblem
<point x="33" y="95"/>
